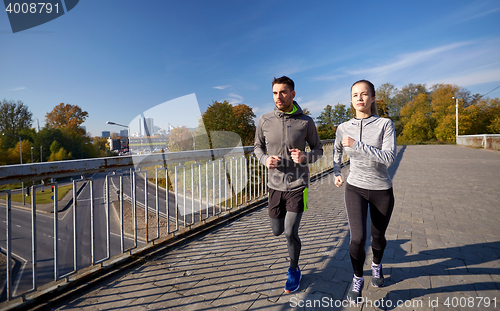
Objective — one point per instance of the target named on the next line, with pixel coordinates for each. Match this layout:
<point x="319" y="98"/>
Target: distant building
<point x="106" y="134"/>
<point x="149" y="127"/>
<point x="114" y="144"/>
<point x="124" y="133"/>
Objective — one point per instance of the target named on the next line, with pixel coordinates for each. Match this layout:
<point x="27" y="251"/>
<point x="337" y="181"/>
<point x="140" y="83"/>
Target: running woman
<point x="370" y="142"/>
<point x="280" y="142"/>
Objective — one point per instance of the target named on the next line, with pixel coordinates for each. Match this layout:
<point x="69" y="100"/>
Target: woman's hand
<point x="347" y="142"/>
<point x="339" y="181"/>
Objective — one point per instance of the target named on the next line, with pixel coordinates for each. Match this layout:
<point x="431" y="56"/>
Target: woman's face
<point x="361" y="98"/>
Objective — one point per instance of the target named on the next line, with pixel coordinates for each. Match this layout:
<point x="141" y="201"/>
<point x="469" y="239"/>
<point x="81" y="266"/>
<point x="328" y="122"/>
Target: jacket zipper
<point x="360" y="130"/>
<point x="283" y="152"/>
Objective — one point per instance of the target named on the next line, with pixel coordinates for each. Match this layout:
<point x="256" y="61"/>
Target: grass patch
<point x="43" y="197"/>
<point x="11" y="186"/>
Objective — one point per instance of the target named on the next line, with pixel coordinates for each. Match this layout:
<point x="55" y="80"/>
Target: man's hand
<point x="339" y="181"/>
<point x="347" y="142"/>
<point x="272" y="162"/>
<point x="297" y="156"/>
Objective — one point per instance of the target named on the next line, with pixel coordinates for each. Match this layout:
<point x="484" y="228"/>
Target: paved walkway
<point x="443" y="246"/>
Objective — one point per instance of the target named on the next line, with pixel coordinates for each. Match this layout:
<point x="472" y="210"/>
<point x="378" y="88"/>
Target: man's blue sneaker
<point x="293" y="282"/>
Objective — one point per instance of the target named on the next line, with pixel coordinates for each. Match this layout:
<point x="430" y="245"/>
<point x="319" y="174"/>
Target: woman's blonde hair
<point x="373" y="108"/>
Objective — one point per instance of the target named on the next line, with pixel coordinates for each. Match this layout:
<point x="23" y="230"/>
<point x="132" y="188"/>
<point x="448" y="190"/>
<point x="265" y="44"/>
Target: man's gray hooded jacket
<point x="278" y="132"/>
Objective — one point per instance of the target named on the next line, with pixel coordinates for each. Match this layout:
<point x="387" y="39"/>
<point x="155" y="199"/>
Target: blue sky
<point x="117" y="59"/>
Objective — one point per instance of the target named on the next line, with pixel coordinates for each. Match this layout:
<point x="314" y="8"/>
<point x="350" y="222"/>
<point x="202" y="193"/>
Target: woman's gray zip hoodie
<point x="278" y="132"/>
<point x="373" y="151"/>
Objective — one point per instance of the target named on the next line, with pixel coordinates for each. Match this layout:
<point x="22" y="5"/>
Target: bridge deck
<point x="443" y="246"/>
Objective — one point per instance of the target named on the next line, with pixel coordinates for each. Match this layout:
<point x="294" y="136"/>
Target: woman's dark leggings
<point x="381" y="204"/>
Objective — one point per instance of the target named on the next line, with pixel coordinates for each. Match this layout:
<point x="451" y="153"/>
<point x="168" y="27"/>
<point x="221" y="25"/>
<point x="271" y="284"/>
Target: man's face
<point x="283" y="97"/>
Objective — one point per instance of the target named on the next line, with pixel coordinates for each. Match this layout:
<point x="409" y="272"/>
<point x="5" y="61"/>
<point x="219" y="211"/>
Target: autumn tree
<point x="479" y="117"/>
<point x="245" y="125"/>
<point x="442" y="98"/>
<point x="180" y="139"/>
<point x="406" y="94"/>
<point x="68" y="116"/>
<point x="101" y="145"/>
<point x="226" y="125"/>
<point x="384" y="95"/>
<point x="417" y="120"/>
<point x="14" y="116"/>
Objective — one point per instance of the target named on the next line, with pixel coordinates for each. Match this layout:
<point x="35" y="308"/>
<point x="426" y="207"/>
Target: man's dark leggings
<point x="290" y="225"/>
<point x="381" y="204"/>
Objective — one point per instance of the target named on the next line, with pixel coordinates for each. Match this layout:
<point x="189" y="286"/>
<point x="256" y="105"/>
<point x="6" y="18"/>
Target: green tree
<point x="58" y="153"/>
<point x="44" y="139"/>
<point x="330" y="118"/>
<point x="325" y="124"/>
<point x="14" y="116"/>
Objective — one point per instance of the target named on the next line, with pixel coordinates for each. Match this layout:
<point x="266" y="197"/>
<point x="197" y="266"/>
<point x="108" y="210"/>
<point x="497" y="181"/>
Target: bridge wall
<point x="486" y="141"/>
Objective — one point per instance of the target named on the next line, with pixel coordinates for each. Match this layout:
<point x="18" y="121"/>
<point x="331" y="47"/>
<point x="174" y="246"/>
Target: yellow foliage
<point x="60" y="155"/>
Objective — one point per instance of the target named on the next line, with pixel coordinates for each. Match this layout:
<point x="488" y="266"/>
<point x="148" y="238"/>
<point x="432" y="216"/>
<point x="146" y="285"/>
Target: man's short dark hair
<point x="285" y="80"/>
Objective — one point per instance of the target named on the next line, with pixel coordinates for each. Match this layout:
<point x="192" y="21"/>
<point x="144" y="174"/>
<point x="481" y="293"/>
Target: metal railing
<point x="179" y="190"/>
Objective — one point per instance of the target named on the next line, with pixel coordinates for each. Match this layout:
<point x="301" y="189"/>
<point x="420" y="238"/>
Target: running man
<point x="280" y="141"/>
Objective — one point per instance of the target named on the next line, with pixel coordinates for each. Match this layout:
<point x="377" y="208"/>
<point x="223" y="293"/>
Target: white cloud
<point x="221" y="87"/>
<point x="473" y="78"/>
<point x="19" y="88"/>
<point x="235" y="99"/>
<point x="408" y="60"/>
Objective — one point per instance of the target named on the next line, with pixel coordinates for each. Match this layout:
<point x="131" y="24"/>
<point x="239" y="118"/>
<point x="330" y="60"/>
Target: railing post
<point x="56" y="243"/>
<point x="33" y="237"/>
<point x="9" y="243"/>
<point x="92" y="225"/>
<point x="75" y="227"/>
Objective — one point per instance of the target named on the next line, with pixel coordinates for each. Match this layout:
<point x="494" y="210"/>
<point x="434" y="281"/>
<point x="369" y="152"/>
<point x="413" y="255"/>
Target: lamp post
<point x="194" y="143"/>
<point x="128" y="132"/>
<point x="41" y="157"/>
<point x="456" y="114"/>
<point x="31" y="154"/>
<point x="20" y="160"/>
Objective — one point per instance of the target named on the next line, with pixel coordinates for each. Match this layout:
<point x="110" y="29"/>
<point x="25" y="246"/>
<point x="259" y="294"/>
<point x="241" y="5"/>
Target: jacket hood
<point x="279" y="113"/>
